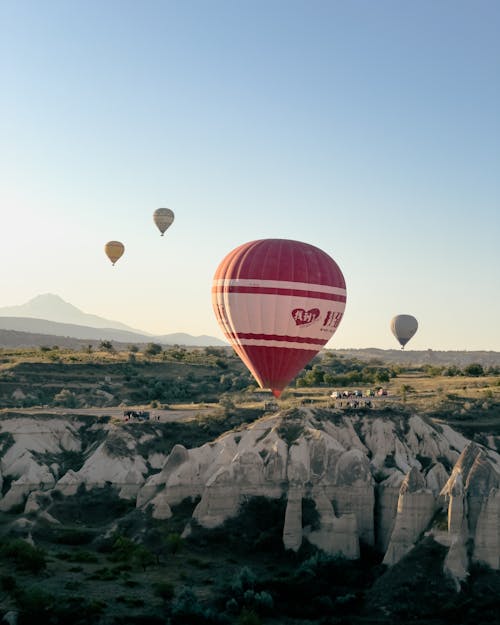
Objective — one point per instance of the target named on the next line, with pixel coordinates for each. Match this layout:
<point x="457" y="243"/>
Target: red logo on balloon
<point x="305" y="317"/>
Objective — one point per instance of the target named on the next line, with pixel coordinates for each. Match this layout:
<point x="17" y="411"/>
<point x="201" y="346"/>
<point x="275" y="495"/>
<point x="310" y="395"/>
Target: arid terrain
<point x="213" y="509"/>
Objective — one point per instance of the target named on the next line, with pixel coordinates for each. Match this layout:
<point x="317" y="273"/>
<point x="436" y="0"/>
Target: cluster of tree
<point x="196" y="374"/>
<point x="209" y="388"/>
<point x="332" y="370"/>
<point x="474" y="369"/>
<point x="256" y="581"/>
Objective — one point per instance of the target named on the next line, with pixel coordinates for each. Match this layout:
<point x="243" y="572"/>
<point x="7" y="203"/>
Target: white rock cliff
<point x="379" y="479"/>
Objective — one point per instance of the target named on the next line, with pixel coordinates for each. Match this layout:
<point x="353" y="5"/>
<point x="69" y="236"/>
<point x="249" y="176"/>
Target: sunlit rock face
<point x="487" y="534"/>
<point x="362" y="473"/>
<point x="374" y="478"/>
<point x="28" y="449"/>
<point x="473" y="503"/>
<point x="416" y="507"/>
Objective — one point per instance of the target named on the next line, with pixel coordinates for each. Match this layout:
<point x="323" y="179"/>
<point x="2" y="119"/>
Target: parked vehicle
<point x="270" y="406"/>
<point x="136" y="414"/>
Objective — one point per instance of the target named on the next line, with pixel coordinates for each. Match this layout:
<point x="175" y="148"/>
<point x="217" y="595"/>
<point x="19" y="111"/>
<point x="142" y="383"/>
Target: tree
<point x="214" y="351"/>
<point x="317" y="375"/>
<point x="123" y="549"/>
<point x="106" y="346"/>
<point x="382" y="375"/>
<point x="405" y="388"/>
<point x="227" y="403"/>
<point x="66" y="398"/>
<point x="174" y="542"/>
<point x="177" y="353"/>
<point x="24" y="556"/>
<point x="144" y="557"/>
<point x="474" y="369"/>
<point x="164" y="590"/>
<point x="153" y="349"/>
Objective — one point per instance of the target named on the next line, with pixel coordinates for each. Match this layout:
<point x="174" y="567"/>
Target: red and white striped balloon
<point x="278" y="302"/>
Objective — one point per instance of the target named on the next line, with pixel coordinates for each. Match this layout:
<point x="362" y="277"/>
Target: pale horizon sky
<point x="368" y="129"/>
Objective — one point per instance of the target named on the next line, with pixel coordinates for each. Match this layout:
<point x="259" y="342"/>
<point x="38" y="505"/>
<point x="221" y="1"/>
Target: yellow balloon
<point x="114" y="250"/>
<point x="163" y="217"/>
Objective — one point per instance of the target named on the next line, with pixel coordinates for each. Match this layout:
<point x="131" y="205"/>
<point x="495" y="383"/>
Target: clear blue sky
<point x="369" y="129"/>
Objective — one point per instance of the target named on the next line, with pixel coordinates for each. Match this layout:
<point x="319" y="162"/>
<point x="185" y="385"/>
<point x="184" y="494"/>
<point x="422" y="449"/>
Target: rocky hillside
<point x="377" y="478"/>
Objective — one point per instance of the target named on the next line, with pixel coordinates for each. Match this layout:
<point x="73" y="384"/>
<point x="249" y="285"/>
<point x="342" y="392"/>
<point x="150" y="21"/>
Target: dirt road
<point x="155" y="414"/>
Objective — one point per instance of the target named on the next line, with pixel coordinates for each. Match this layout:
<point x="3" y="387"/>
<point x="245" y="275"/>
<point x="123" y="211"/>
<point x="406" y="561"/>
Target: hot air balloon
<point x="163" y="217"/>
<point x="278" y="302"/>
<point x="114" y="250"/>
<point x="404" y="327"/>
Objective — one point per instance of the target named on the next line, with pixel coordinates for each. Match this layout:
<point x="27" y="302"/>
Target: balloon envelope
<point x="114" y="250"/>
<point x="403" y="327"/>
<point x="163" y="218"/>
<point x="278" y="302"/>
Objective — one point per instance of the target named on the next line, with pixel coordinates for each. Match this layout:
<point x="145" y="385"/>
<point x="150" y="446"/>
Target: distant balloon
<point x="163" y="218"/>
<point x="114" y="250"/>
<point x="404" y="327"/>
<point x="278" y="302"/>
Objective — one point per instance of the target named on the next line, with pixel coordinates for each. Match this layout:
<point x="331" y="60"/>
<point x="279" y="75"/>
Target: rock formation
<point x="379" y="479"/>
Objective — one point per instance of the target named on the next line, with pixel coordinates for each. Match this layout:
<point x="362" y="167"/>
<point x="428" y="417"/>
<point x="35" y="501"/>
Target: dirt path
<point x="155" y="414"/>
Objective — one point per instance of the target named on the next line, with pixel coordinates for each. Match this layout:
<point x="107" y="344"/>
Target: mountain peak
<point x="49" y="308"/>
<point x="46" y="297"/>
<point x="49" y="299"/>
<point x="52" y="307"/>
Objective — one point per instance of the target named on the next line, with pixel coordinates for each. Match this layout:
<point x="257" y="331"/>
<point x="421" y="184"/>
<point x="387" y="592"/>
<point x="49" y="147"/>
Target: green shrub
<point x="164" y="590"/>
<point x="133" y="602"/>
<point x="72" y="585"/>
<point x="244" y="580"/>
<point x="24" y="556"/>
<point x="131" y="583"/>
<point x="248" y="617"/>
<point x="8" y="583"/>
<point x="290" y="432"/>
<point x="174" y="542"/>
<point x="80" y="555"/>
<point x="310" y="514"/>
<point x="390" y="461"/>
<point x="474" y="369"/>
<point x="104" y="574"/>
<point x="74" y="537"/>
<point x="34" y="604"/>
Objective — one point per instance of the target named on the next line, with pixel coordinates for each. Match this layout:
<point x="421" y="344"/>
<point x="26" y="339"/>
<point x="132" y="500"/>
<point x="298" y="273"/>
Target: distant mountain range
<point x="425" y="357"/>
<point x="49" y="314"/>
<point x="49" y="320"/>
<point x="53" y="308"/>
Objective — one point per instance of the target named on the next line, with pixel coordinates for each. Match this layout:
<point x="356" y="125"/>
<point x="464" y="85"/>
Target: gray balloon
<point x="163" y="217"/>
<point x="403" y="327"/>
